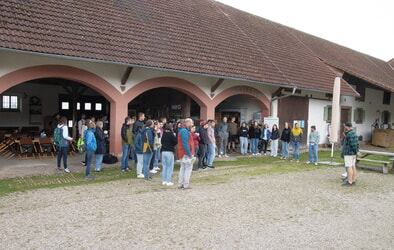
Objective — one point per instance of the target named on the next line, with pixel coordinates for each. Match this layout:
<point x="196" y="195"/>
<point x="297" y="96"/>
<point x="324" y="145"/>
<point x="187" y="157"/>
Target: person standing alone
<point x="351" y="151"/>
<point x="314" y="139"/>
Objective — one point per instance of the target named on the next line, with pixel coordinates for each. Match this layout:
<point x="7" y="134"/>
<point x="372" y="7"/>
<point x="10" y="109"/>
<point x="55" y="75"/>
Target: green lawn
<point x="251" y="166"/>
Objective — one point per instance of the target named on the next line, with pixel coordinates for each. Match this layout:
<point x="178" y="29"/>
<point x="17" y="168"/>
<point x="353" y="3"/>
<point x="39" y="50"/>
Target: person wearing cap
<point x="351" y="151"/>
<point x="203" y="144"/>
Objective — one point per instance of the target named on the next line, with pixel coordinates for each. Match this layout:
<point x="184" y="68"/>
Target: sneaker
<point x="297" y="160"/>
<point x="124" y="170"/>
<point x="128" y="169"/>
<point x="344" y="179"/>
<point x="140" y="176"/>
<point x="347" y="184"/>
<point x="83" y="163"/>
<point x="188" y="187"/>
<point x="211" y="167"/>
<point x="225" y="155"/>
<point x="67" y="170"/>
<point x="164" y="183"/>
<point x="316" y="164"/>
<point x="60" y="169"/>
<point x="156" y="168"/>
<point x="98" y="170"/>
<point x="258" y="154"/>
<point x="153" y="171"/>
<point x="148" y="179"/>
<point x="265" y="153"/>
<point x="308" y="162"/>
<point x="344" y="175"/>
<point x="89" y="177"/>
<point x="170" y="184"/>
<point x="220" y="156"/>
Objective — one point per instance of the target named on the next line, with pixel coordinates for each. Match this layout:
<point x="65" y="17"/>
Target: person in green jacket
<point x="351" y="151"/>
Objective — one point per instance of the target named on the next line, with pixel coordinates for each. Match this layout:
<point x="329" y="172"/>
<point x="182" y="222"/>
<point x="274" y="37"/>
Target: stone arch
<point x="184" y="86"/>
<point x="118" y="107"/>
<point x="262" y="100"/>
<point x="60" y="71"/>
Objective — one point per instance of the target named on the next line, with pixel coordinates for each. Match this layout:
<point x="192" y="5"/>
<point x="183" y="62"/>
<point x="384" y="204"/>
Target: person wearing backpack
<point x="91" y="146"/>
<point x="147" y="147"/>
<point x="62" y="139"/>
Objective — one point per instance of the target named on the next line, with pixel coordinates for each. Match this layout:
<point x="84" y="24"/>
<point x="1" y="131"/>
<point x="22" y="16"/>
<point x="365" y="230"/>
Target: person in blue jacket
<point x="91" y="146"/>
<point x="265" y="137"/>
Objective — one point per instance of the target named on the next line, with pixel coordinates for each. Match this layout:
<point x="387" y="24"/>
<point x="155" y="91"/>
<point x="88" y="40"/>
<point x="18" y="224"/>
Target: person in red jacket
<point x="185" y="153"/>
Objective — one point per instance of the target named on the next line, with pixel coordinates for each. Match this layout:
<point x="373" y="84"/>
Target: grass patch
<point x="248" y="166"/>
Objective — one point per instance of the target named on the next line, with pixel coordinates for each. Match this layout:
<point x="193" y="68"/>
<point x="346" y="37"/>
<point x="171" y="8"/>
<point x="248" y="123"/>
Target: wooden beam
<point x="126" y="75"/>
<point x="217" y="84"/>
<point x="277" y="92"/>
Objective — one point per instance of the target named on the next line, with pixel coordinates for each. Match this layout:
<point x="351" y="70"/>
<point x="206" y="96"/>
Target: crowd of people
<point x="148" y="142"/>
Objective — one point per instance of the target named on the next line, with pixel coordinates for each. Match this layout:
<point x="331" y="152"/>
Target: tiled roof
<point x="203" y="37"/>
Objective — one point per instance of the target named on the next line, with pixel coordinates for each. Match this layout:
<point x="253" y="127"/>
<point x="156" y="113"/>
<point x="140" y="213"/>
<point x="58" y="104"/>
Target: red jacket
<point x="185" y="143"/>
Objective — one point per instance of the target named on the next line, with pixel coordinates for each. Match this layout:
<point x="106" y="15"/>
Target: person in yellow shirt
<point x="296" y="139"/>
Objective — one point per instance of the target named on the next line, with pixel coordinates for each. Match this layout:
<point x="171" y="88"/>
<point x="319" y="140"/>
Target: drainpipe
<point x="281" y="97"/>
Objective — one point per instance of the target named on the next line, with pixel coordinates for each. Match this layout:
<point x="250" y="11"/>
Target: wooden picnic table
<point x="384" y="164"/>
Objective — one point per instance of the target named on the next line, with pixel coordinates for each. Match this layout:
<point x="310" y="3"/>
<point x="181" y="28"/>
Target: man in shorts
<point x="351" y="151"/>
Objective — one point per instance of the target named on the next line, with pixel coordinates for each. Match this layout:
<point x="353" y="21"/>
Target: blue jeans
<point x="62" y="153"/>
<point x="312" y="154"/>
<point x="211" y="153"/>
<point x="296" y="150"/>
<point x="167" y="161"/>
<point x="243" y="141"/>
<point x="99" y="161"/>
<point x="285" y="149"/>
<point x="223" y="145"/>
<point x="157" y="158"/>
<point x="145" y="166"/>
<point x="254" y="142"/>
<point x="89" y="160"/>
<point x="125" y="156"/>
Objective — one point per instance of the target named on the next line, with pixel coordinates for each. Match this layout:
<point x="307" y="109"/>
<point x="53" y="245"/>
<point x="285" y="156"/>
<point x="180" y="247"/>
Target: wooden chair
<point x="8" y="148"/>
<point x="27" y="147"/>
<point x="47" y="148"/>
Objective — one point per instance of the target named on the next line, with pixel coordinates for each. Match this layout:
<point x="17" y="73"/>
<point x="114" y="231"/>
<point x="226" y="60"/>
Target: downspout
<point x="281" y="97"/>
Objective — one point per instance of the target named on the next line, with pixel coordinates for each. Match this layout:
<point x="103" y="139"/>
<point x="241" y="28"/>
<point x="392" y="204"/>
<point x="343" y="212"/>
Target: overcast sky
<point x="366" y="26"/>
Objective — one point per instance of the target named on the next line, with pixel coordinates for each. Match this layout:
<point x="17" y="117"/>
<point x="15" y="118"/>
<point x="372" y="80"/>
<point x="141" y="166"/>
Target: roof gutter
<point x="281" y="97"/>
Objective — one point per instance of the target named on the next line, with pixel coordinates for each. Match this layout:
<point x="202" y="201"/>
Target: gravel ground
<point x="301" y="210"/>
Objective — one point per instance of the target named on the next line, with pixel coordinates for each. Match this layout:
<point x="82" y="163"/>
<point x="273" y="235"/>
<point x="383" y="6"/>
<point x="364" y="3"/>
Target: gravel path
<point x="303" y="210"/>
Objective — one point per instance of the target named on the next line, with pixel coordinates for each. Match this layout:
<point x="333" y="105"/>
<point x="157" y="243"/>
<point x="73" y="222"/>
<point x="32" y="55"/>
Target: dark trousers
<point x="62" y="153"/>
<point x="202" y="150"/>
<point x="264" y="144"/>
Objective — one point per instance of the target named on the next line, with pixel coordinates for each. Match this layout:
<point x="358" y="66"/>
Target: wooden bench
<point x="384" y="164"/>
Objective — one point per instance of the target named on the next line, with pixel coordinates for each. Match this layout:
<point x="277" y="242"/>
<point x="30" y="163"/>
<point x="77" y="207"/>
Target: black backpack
<point x="110" y="159"/>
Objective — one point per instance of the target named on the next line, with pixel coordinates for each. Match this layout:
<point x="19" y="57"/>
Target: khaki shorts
<point x="350" y="160"/>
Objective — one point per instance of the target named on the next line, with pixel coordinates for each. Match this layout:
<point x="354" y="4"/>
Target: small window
<point x="327" y="113"/>
<point x="386" y="97"/>
<point x="78" y="106"/>
<point x="65" y="105"/>
<point x="359" y="115"/>
<point x="88" y="106"/>
<point x="10" y="103"/>
<point x="99" y="107"/>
